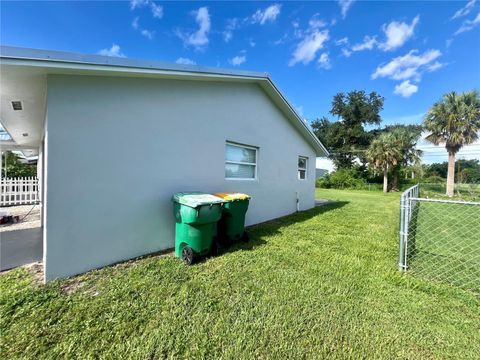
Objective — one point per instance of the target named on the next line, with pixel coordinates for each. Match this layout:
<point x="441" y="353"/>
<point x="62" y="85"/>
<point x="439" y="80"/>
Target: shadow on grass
<point x="259" y="231"/>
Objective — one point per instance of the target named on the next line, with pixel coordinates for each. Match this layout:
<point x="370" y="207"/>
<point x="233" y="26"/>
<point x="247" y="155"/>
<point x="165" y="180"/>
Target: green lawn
<point x="321" y="283"/>
<point x="463" y="192"/>
<point x="444" y="243"/>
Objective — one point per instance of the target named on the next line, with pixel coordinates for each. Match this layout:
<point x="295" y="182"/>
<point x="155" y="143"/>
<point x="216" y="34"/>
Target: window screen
<point x="302" y="167"/>
<point x="240" y="162"/>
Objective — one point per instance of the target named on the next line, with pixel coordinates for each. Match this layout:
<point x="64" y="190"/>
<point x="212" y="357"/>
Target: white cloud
<point x="468" y="25"/>
<point x="347" y="53"/>
<point x="147" y="33"/>
<point x="227" y="35"/>
<point x="368" y="44"/>
<point x="281" y="40"/>
<point x="407" y="66"/>
<point x="252" y="43"/>
<point x="135" y="24"/>
<point x="316" y="23"/>
<point x="113" y="51"/>
<point x="435" y="66"/>
<point x="238" y="60"/>
<point x="324" y="61"/>
<point x="157" y="10"/>
<point x="299" y="109"/>
<point x="137" y="4"/>
<point x="405" y="89"/>
<point x="185" y="61"/>
<point x="268" y="14"/>
<point x="398" y="33"/>
<point x="342" y="41"/>
<point x="465" y="10"/>
<point x="307" y="49"/>
<point x="232" y="24"/>
<point x="345" y="6"/>
<point x="198" y="38"/>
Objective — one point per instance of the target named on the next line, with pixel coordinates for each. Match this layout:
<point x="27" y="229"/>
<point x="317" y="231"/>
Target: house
<point x="117" y="137"/>
<point x="320" y="172"/>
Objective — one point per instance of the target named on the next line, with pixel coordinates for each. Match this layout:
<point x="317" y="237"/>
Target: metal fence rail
<point x="440" y="239"/>
<point x="19" y="191"/>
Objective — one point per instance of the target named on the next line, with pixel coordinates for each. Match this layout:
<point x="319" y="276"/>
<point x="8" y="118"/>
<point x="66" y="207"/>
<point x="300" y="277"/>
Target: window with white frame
<point x="302" y="167"/>
<point x="240" y="162"/>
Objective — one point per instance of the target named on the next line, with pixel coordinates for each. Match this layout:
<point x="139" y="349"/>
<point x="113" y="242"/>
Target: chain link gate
<point x="440" y="239"/>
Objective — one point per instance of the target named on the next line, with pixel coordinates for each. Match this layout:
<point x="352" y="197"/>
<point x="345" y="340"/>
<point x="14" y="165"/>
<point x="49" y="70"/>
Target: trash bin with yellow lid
<point x="231" y="227"/>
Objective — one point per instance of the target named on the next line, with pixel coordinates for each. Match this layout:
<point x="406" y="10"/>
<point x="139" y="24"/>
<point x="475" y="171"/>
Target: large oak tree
<point x="347" y="138"/>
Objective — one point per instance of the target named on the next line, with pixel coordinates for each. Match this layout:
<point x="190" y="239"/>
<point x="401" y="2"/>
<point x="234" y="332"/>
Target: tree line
<point x="12" y="166"/>
<point x="362" y="150"/>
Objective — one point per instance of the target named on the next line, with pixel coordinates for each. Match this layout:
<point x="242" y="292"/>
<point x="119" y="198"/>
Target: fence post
<point x="406" y="209"/>
<point x="401" y="253"/>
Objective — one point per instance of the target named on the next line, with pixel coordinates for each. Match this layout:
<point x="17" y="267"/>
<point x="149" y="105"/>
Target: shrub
<point x="433" y="180"/>
<point x="347" y="179"/>
<point x="323" y="182"/>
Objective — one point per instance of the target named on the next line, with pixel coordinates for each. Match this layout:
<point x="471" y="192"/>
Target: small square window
<point x="302" y="167"/>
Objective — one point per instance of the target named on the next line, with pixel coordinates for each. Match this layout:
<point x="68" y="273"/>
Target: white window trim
<point x="243" y="163"/>
<point x="300" y="168"/>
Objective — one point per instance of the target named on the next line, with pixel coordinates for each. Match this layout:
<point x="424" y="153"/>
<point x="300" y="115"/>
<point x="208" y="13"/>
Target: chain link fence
<point x="440" y="239"/>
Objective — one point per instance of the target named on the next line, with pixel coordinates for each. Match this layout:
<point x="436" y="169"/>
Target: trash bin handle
<point x="198" y="208"/>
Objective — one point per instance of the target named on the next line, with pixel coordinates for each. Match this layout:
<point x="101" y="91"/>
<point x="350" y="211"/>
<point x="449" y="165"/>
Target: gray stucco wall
<point x="118" y="148"/>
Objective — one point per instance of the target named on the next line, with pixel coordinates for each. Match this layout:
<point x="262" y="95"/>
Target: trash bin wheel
<point x="245" y="237"/>
<point x="187" y="255"/>
<point x="215" y="250"/>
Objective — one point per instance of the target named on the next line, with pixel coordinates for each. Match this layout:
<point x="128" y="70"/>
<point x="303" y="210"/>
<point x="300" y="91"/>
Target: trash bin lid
<point x="232" y="196"/>
<point x="196" y="198"/>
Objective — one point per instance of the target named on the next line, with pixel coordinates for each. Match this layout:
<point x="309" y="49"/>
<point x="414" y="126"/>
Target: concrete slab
<point x="20" y="247"/>
<point x="29" y="215"/>
<point x="321" y="202"/>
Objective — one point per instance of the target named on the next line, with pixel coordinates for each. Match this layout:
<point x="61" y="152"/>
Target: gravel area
<point x="32" y="220"/>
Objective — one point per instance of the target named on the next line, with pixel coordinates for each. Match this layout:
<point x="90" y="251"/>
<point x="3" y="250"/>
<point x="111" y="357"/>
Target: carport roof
<point x="24" y="73"/>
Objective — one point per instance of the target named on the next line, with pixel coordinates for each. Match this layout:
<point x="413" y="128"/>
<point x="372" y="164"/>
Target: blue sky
<point x="410" y="52"/>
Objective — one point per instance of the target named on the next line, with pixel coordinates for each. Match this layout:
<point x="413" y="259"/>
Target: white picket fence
<point x="19" y="191"/>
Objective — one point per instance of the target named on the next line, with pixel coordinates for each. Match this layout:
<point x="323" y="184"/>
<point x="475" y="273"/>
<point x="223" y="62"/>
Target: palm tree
<point x="405" y="139"/>
<point x="455" y="122"/>
<point x="383" y="153"/>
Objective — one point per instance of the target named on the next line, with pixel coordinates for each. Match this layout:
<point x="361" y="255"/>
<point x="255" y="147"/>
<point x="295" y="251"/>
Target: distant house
<point x="320" y="172"/>
<point x="117" y="137"/>
<point x="25" y="158"/>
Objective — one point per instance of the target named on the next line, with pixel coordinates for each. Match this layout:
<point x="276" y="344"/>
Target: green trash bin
<point x="196" y="214"/>
<point x="231" y="226"/>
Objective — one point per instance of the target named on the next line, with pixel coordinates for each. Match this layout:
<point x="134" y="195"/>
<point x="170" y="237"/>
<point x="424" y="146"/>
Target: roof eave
<point x="320" y="149"/>
<point x="10" y="55"/>
<point x="58" y="57"/>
